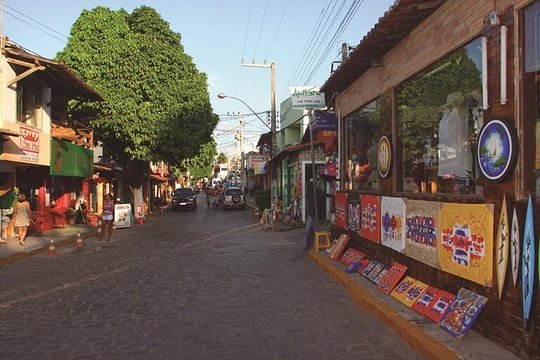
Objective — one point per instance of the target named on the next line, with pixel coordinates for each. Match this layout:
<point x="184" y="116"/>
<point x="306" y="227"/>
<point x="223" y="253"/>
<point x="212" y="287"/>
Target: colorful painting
<point x="463" y="312"/>
<point x="341" y="210"/>
<point x="527" y="263"/>
<point x="338" y="247"/>
<point x="423" y="303"/>
<point x="353" y="216"/>
<point x="465" y="241"/>
<point x="384" y="156"/>
<point x="393" y="223"/>
<point x="408" y="291"/>
<point x="421" y="231"/>
<point x="366" y="269"/>
<point x="440" y="305"/>
<point x="370" y="222"/>
<point x="351" y="255"/>
<point x="392" y="277"/>
<point x="354" y="266"/>
<point x="503" y="247"/>
<point x="379" y="266"/>
<point x="380" y="275"/>
<point x="515" y="240"/>
<point x="496" y="150"/>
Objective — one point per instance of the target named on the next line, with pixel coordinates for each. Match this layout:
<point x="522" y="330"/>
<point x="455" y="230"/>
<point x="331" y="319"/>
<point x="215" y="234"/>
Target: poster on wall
<point x="370" y="218"/>
<point x="465" y="241"/>
<point x="393" y="223"/>
<point x="122" y="216"/>
<point x="341" y="210"/>
<point x="421" y="231"/>
<point x="353" y="216"/>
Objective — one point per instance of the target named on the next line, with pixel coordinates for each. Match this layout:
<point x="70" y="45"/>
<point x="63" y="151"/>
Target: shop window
<point x="363" y="133"/>
<point x="439" y="115"/>
<point x="531" y="79"/>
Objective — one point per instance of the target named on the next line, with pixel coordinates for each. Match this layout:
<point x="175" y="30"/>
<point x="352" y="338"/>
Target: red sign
<point x="29" y="144"/>
<point x="341" y="210"/>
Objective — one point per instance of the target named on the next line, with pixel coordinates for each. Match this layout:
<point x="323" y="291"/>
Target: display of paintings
<point x="379" y="266"/>
<point x="380" y="275"/>
<point x="409" y="290"/>
<point x="421" y="231"/>
<point x="463" y="312"/>
<point x="365" y="271"/>
<point x="351" y="255"/>
<point x="370" y="222"/>
<point x="353" y="213"/>
<point x="393" y="223"/>
<point x="363" y="264"/>
<point x="338" y="247"/>
<point x="341" y="209"/>
<point x="384" y="156"/>
<point x="497" y="149"/>
<point x="465" y="241"/>
<point x="354" y="266"/>
<point x="423" y="303"/>
<point x="392" y="277"/>
<point x="439" y="306"/>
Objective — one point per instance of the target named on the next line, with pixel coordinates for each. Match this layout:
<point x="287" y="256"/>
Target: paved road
<point x="187" y="285"/>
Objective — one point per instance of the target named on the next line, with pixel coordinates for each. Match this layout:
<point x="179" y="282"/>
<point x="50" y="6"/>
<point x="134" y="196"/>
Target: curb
<point x="412" y="335"/>
<point x="24" y="254"/>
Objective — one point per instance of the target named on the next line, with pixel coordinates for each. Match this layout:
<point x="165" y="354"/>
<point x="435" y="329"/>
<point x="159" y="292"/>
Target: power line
<point x="34" y="26"/>
<point x="36" y="21"/>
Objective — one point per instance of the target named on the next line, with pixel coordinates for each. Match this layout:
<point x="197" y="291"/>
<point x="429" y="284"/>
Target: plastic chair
<point x="321" y="240"/>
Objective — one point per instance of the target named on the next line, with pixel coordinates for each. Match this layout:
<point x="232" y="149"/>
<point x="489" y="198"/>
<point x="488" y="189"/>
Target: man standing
<point x="310" y="215"/>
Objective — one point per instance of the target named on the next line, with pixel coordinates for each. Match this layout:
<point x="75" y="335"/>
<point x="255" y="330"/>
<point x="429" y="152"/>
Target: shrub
<point x="262" y="199"/>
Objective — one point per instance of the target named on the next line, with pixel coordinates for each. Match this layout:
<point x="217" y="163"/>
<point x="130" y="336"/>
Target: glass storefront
<point x="439" y="117"/>
<point x="362" y="137"/>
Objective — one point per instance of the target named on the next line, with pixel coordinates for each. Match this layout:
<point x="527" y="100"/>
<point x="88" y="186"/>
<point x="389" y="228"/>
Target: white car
<point x="234" y="198"/>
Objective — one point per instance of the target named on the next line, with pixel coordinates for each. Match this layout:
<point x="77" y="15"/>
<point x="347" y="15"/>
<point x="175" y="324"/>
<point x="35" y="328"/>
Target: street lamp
<point x="223" y="96"/>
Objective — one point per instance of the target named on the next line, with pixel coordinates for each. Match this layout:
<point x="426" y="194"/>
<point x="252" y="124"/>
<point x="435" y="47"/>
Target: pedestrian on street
<point x="21" y="216"/>
<point x="208" y="192"/>
<point x="107" y="216"/>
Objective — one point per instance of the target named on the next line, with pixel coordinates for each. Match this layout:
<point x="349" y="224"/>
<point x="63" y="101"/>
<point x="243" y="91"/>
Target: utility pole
<point x="273" y="151"/>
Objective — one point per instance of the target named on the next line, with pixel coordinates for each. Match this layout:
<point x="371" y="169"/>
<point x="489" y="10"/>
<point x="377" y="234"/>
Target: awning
<point x="9" y="132"/>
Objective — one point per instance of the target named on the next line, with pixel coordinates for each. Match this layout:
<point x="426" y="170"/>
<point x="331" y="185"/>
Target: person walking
<point x="21" y="216"/>
<point x="208" y="192"/>
<point x="107" y="216"/>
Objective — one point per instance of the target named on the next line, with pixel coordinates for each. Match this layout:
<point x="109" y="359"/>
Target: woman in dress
<point x="107" y="216"/>
<point x="21" y="216"/>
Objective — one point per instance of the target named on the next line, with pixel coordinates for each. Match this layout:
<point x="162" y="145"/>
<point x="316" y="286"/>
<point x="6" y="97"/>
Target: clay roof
<point x="396" y="23"/>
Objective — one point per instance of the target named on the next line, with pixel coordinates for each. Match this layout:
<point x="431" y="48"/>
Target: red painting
<point x="338" y="247"/>
<point x="341" y="210"/>
<point x="370" y="221"/>
<point x="440" y="306"/>
<point x="352" y="255"/>
<point x="392" y="277"/>
<point x="425" y="302"/>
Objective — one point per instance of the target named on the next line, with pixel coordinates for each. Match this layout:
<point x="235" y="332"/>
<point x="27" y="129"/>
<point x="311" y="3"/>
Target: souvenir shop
<point x="440" y="172"/>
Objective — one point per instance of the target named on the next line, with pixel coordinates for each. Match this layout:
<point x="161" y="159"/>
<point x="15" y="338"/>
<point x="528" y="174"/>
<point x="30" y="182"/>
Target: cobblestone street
<point x="209" y="284"/>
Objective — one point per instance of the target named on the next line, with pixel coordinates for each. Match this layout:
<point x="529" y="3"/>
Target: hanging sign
<point x="307" y="98"/>
<point x="497" y="149"/>
<point x="384" y="156"/>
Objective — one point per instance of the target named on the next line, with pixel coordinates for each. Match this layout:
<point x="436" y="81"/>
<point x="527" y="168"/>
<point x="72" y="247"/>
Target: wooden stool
<point x="325" y="237"/>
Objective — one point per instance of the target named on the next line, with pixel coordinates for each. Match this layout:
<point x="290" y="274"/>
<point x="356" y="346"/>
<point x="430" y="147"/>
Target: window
<point x="531" y="79"/>
<point x="363" y="133"/>
<point x="28" y="103"/>
<point x="439" y="115"/>
<point x="183" y="192"/>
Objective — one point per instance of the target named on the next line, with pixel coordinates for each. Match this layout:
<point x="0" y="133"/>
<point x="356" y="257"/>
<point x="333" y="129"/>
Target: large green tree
<point x="156" y="103"/>
<point x="201" y="165"/>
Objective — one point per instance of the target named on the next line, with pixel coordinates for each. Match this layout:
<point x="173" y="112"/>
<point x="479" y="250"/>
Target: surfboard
<point x="527" y="263"/>
<point x="503" y="247"/>
<point x="514" y="246"/>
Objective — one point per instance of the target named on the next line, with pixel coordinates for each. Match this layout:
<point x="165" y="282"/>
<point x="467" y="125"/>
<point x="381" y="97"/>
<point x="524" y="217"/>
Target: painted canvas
<point x="421" y="231"/>
<point x="528" y="263"/>
<point x="422" y="304"/>
<point x="380" y="275"/>
<point x="503" y="247"/>
<point x="515" y="241"/>
<point x="392" y="277"/>
<point x="439" y="306"/>
<point x="393" y="223"/>
<point x="366" y="269"/>
<point x="465" y="241"/>
<point x="353" y="213"/>
<point x="408" y="291"/>
<point x="370" y="222"/>
<point x="341" y="210"/>
<point x="337" y="248"/>
<point x="351" y="255"/>
<point x="463" y="312"/>
<point x="379" y="266"/>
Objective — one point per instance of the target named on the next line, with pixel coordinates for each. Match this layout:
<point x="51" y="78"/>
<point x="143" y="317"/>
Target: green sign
<point x="68" y="159"/>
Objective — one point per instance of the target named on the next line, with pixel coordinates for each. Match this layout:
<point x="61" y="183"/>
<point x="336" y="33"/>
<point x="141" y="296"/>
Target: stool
<point x="325" y="237"/>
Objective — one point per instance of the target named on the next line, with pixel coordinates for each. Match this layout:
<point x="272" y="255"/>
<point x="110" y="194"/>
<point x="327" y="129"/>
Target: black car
<point x="184" y="198"/>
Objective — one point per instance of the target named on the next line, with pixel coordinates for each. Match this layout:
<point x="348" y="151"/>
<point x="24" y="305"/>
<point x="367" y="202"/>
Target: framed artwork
<point x="384" y="156"/>
<point x="370" y="221"/>
<point x="497" y="149"/>
<point x="421" y="225"/>
<point x="338" y="247"/>
<point x="392" y="277"/>
<point x="393" y="223"/>
<point x="465" y="241"/>
<point x="351" y="255"/>
<point x="463" y="312"/>
<point x="341" y="210"/>
<point x="122" y="216"/>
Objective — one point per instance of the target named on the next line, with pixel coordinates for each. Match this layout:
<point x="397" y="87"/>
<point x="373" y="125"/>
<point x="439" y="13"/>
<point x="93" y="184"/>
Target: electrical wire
<point x="36" y="21"/>
<point x="34" y="26"/>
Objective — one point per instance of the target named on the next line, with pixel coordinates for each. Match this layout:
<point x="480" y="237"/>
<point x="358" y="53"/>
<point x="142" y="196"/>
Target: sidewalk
<point x="36" y="243"/>
<point x="419" y="332"/>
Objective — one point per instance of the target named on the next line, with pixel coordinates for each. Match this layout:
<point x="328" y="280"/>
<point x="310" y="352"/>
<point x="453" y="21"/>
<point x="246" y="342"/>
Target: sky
<point x="301" y="37"/>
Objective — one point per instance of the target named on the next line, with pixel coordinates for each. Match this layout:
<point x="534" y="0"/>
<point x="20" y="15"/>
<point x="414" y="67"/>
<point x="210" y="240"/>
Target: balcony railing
<point x="78" y="134"/>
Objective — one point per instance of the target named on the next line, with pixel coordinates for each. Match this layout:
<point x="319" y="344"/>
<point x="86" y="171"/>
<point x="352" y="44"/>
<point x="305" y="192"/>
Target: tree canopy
<point x="156" y="103"/>
<point x="201" y="165"/>
<point x="221" y="158"/>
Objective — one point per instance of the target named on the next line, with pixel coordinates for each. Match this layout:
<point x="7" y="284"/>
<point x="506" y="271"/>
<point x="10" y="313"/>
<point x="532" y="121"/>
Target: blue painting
<point x="496" y="154"/>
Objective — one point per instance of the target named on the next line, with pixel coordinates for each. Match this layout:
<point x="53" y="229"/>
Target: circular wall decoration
<point x="384" y="156"/>
<point x="496" y="151"/>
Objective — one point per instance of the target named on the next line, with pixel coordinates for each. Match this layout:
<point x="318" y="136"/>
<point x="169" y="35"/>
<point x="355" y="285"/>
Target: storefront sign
<point x="29" y="143"/>
<point x="122" y="216"/>
<point x="324" y="120"/>
<point x="341" y="210"/>
<point x="307" y="98"/>
<point x="68" y="159"/>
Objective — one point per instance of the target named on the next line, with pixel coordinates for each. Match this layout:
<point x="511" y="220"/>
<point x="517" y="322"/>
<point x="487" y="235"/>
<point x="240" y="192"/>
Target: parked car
<point x="184" y="198"/>
<point x="233" y="198"/>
